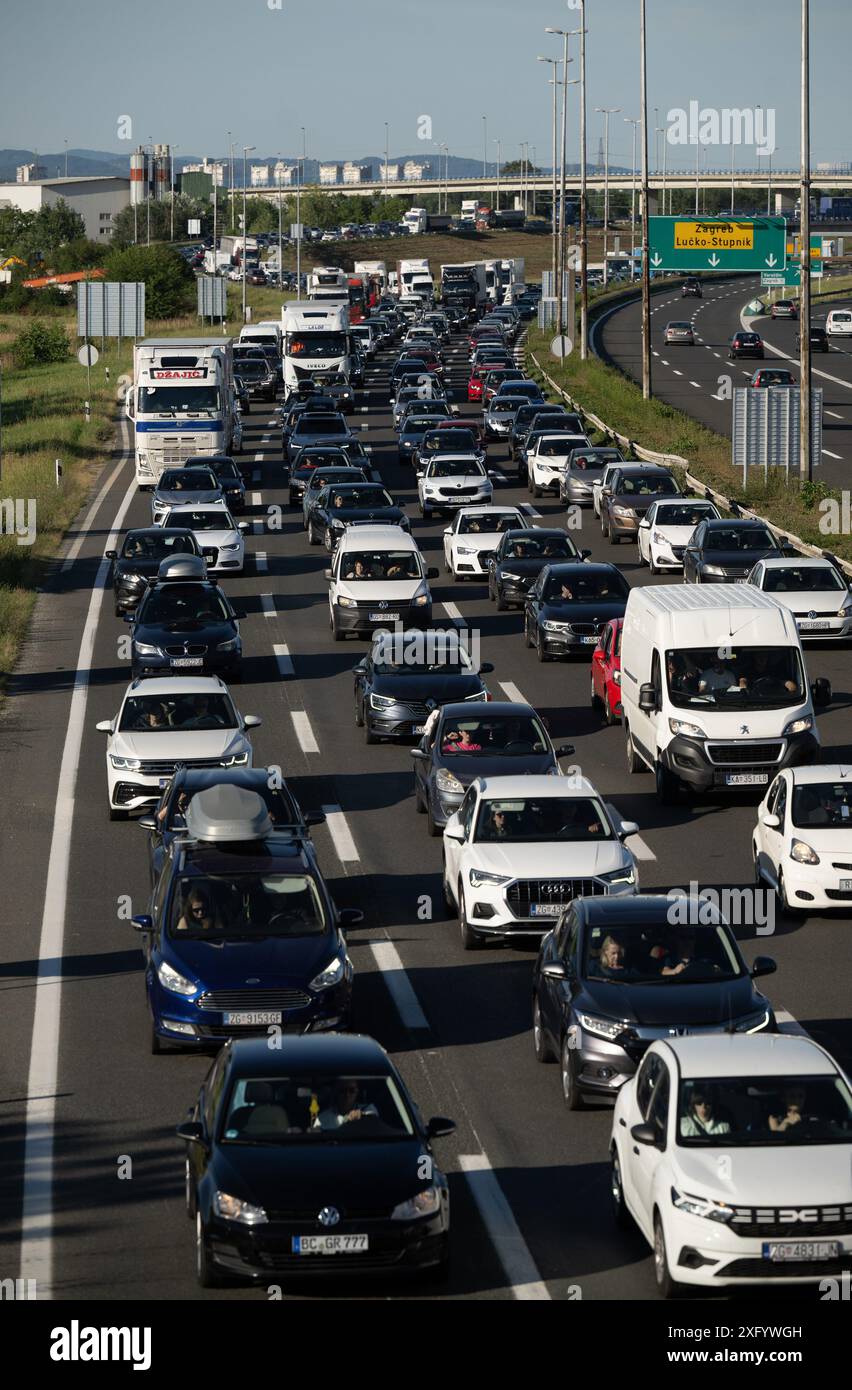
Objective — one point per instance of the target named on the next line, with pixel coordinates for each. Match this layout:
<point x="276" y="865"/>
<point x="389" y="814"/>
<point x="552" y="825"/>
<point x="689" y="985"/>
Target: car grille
<point x="459" y="491"/>
<point x="586" y="629"/>
<point x="216" y="1031"/>
<point x="268" y="999"/>
<point x="211" y="554"/>
<point x="281" y="1260"/>
<point x="308" y="1215"/>
<point x="838" y="895"/>
<point x="525" y="892"/>
<point x="750" y="753"/>
<point x="413" y="709"/>
<point x="186" y="650"/>
<point x="768" y="1221"/>
<point x="166" y="769"/>
<point x="176" y="449"/>
<point x="841" y="866"/>
<point x="766" y="1269"/>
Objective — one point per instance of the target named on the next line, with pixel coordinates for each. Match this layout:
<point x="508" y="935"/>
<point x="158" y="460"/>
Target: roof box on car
<point x="228" y="814"/>
<point x="183" y="567"/>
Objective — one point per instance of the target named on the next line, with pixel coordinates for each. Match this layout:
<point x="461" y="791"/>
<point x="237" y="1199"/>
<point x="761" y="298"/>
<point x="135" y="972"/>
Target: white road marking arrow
<point x="713" y="260"/>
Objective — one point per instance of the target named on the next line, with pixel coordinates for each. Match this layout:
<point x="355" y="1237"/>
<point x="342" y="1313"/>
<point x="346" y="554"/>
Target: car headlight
<point x="601" y="1027"/>
<point x="447" y="781"/>
<point x="145" y="649"/>
<point x="846" y="610"/>
<point x="466" y="550"/>
<point x="234" y="1209"/>
<point x="713" y="569"/>
<point x="233" y="546"/>
<point x="556" y="627"/>
<point x="173" y="981"/>
<point x="701" y="1206"/>
<point x="337" y="524"/>
<point x="621" y="511"/>
<point x="423" y="1204"/>
<point x="331" y="975"/>
<point x="381" y="701"/>
<point x="659" y="539"/>
<point x="616" y="677"/>
<point x="125" y="764"/>
<point x="420" y="600"/>
<point x="235" y="760"/>
<point x="683" y="726"/>
<point x="478" y="878"/>
<point x="802" y="853"/>
<point x="230" y="646"/>
<point x="345" y="602"/>
<point x="626" y="874"/>
<point x="800" y="725"/>
<point x="507" y="574"/>
<point x="753" y="1022"/>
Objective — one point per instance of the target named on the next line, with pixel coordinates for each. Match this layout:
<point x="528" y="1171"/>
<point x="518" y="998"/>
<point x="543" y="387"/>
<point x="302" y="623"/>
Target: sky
<point x="187" y="71"/>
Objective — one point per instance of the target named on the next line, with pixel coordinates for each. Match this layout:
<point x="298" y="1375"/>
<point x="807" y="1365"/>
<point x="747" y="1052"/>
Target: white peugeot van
<point x="377" y="577"/>
<point x="714" y="688"/>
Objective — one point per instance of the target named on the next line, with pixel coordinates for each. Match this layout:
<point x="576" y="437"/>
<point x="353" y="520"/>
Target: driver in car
<point x="344" y="1106"/>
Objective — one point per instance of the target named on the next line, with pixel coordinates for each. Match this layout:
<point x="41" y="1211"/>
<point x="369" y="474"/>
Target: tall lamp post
<point x="560" y="267"/>
<point x="231" y="177"/>
<point x="172" y="149"/>
<point x="499" y="144"/>
<point x="386" y="159"/>
<point x="606" y="112"/>
<point x="484" y="149"/>
<point x="584" y="243"/>
<point x="806" y="463"/>
<point x="646" y="269"/>
<point x="554" y="82"/>
<point x="632" y="121"/>
<point x="247" y="149"/>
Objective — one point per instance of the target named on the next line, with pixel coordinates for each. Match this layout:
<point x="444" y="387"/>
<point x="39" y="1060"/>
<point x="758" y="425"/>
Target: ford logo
<point x="329" y="1216"/>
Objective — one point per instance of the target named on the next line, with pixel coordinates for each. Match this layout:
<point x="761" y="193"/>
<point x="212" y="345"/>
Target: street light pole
<point x="66" y="159"/>
<point x="148" y="193"/>
<point x="172" y="149"/>
<point x="231" y="177"/>
<point x="606" y="112"/>
<point x="632" y="121"/>
<point x="806" y="463"/>
<point x="386" y="159"/>
<point x="484" y="149"/>
<point x="499" y="144"/>
<point x="280" y="234"/>
<point x="646" y="269"/>
<point x="554" y="81"/>
<point x="246" y="150"/>
<point x="584" y="244"/>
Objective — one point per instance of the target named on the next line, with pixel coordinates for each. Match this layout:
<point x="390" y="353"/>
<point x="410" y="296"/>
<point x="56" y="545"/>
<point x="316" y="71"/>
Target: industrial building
<point x="97" y="199"/>
<point x="217" y="170"/>
<point x="259" y="175"/>
<point x="285" y="175"/>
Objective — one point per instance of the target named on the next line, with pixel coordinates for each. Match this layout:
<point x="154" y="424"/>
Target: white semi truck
<point x="316" y="341"/>
<point x="328" y="282"/>
<point x="415" y="277"/>
<point x="182" y="402"/>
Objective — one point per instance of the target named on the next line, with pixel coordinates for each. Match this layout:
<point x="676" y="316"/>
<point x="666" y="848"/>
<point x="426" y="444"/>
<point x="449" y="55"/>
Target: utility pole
<point x="246" y="150"/>
<point x="499" y="144"/>
<point x="386" y="159"/>
<point x="484" y="149"/>
<point x="606" y="112"/>
<point x="646" y="268"/>
<point x="806" y="463"/>
<point x="554" y="81"/>
<point x="584" y="244"/>
<point x="231" y="177"/>
<point x="697" y="170"/>
<point x="280" y="235"/>
<point x="632" y="121"/>
<point x="148" y="192"/>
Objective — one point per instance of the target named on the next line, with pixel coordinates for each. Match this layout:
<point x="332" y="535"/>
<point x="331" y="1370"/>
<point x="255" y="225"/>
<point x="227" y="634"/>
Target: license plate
<point x="330" y="1245"/>
<point x="746" y="779"/>
<point x="813" y="627"/>
<point x="419" y="729"/>
<point x="790" y="1251"/>
<point x="384" y="617"/>
<point x="589" y="641"/>
<point x="545" y="909"/>
<point x="846" y="885"/>
<point x="252" y="1018"/>
<point x="186" y="661"/>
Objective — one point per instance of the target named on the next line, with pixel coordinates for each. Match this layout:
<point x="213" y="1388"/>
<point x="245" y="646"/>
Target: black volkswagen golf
<point x="312" y="1158"/>
<point x="617" y="973"/>
<point x="568" y="606"/>
<point x="520" y="558"/>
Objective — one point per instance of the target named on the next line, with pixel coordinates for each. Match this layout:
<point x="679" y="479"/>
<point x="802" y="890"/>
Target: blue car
<point x="243" y="936"/>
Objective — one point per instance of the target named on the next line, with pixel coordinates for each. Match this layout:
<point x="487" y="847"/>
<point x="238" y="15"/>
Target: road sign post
<point x="717" y="243"/>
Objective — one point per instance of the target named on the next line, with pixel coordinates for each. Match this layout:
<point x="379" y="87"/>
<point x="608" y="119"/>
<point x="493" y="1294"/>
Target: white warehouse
<point x="97" y="199"/>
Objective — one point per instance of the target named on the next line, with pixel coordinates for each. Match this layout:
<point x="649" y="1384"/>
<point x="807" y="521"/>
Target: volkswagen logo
<point x="383" y="603"/>
<point x="812" y="613"/>
<point x="329" y="1216"/>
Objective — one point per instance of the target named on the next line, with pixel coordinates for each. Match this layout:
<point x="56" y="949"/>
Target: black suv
<point x="185" y="626"/>
<point x="691" y="288"/>
<point x="228" y="475"/>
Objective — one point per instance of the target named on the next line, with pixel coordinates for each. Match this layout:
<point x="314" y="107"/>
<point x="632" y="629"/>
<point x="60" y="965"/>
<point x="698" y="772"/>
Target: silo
<point x="138" y="176"/>
<point x="161" y="171"/>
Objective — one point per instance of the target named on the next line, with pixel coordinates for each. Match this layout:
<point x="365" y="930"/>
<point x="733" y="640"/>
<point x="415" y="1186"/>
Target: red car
<point x="474" y="387"/>
<point x="606" y="671"/>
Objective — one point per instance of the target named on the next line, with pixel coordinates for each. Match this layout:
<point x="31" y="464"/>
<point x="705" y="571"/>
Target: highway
<point x="689" y="377"/>
<point x="529" y="1181"/>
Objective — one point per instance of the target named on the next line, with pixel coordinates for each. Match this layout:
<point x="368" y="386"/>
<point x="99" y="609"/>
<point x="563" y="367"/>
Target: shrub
<point x="40" y="343"/>
<point x="169" y="283"/>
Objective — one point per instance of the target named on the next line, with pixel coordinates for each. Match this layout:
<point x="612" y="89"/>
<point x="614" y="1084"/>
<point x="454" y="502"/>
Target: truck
<point x="416" y="220"/>
<point x="374" y="274"/>
<point x="510" y="217"/>
<point x="438" y="222"/>
<point x="216" y="261"/>
<point x="465" y="284"/>
<point x="232" y="246"/>
<point x="468" y="210"/>
<point x="328" y="282"/>
<point x="415" y="277"/>
<point x="316" y="341"/>
<point x="182" y="402"/>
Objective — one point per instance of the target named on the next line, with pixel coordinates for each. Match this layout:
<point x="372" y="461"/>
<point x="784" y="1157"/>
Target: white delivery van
<point x="267" y="331"/>
<point x="378" y="578"/>
<point x="714" y="688"/>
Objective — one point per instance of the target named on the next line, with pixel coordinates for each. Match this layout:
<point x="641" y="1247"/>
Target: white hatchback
<point x="814" y="590"/>
<point x="219" y="536"/>
<point x="802" y="843"/>
<point x="665" y="531"/>
<point x="474" y="536"/>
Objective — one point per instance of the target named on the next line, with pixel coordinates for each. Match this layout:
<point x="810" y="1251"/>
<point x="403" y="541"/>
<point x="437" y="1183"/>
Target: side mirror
<point x="763" y="965"/>
<point x="252" y="721"/>
<point x="110" y="554"/>
<point x="242" y="525"/>
<point x="129" y="617"/>
<point x="647" y="698"/>
<point x="771" y="822"/>
<point x="191" y="1131"/>
<point x="327" y="574"/>
<point x="143" y="922"/>
<point x="105" y="726"/>
<point x="486" y="668"/>
<point x="349" y="917"/>
<point x="565" y="750"/>
<point x="554" y="971"/>
<point x="315" y="818"/>
<point x="237" y="614"/>
<point x="821" y="690"/>
<point x="628" y="827"/>
<point x="644" y="1134"/>
<point x="148" y="822"/>
<point x="439" y="1127"/>
<point x="454" y="830"/>
<point x="584" y="554"/>
<point x="419" y="755"/>
<point x="448" y="530"/>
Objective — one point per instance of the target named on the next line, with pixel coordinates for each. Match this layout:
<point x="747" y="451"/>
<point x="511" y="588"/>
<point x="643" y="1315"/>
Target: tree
<point x="169" y="282"/>
<point x="518" y="167"/>
<point x="79" y="254"/>
<point x="39" y="343"/>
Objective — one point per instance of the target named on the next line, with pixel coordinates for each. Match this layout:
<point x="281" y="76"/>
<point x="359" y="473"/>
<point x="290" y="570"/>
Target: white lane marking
<point x="267" y="603"/>
<point x="281" y="651"/>
<point x="654" y="350"/>
<point x="261" y="562"/>
<point x="830" y="454"/>
<point x="304" y="732"/>
<point x="696" y="384"/>
<point x="664" y="362"/>
<point x="408" y="1006"/>
<point x="513" y="693"/>
<point x="788" y="1024"/>
<point x="530" y="510"/>
<point x="258" y="458"/>
<point x="639" y="849"/>
<point x="676" y="372"/>
<point x="341" y="836"/>
<point x="834" y="415"/>
<point x="43" y="1075"/>
<point x="92" y="513"/>
<point x="256" y="499"/>
<point x="453" y="612"/>
<point x="512" y="1250"/>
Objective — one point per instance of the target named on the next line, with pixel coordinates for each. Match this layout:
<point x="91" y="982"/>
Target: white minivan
<point x="377" y="577"/>
<point x="714" y="688"/>
<point x="839" y="323"/>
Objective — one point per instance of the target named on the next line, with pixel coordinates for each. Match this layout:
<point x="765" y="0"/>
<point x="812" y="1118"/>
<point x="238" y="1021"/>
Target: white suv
<point x="168" y="720"/>
<point x="450" y="481"/>
<point x="520" y="848"/>
<point x="732" y="1155"/>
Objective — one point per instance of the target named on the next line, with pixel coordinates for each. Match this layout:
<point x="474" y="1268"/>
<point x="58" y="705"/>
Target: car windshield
<point x="585" y="588"/>
<point x="764" y="1111"/>
<point x="360" y="497"/>
<point x="541" y="819"/>
<point x="444" y="658"/>
<point x="802" y="579"/>
<point x="178" y="604"/>
<point x="176" y="399"/>
<point x="532" y="547"/>
<point x="433" y="408"/>
<point x="416" y="424"/>
<point x="776" y="378"/>
<point x="747" y="339"/>
<point x="320" y="424"/>
<point x="320" y="458"/>
<point x="316" y="345"/>
<point x="734" y="538"/>
<point x="188" y="480"/>
<point x="503" y="405"/>
<point x="251" y="368"/>
<point x="380" y="564"/>
<point x="646" y="485"/>
<point x="223" y="468"/>
<point x="201" y="521"/>
<point x="322" y="476"/>
<point x="163" y="714"/>
<point x="687" y="514"/>
<point x="321" y="1109"/>
<point x="156" y="546"/>
<point x="453" y="468"/>
<point x="506" y="736"/>
<point x="474" y="524"/>
<point x="822" y="806"/>
<point x="734" y="677"/>
<point x="644" y="953"/>
<point x="244" y="906"/>
<point x="439" y="441"/>
<point x="559" y="446"/>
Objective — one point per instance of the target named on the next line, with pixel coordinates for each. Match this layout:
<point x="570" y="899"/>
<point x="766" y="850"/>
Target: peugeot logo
<point x="744" y="729"/>
<point x="329" y="1216"/>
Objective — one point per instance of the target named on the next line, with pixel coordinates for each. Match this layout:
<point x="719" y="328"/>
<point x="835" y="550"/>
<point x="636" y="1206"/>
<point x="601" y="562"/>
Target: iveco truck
<point x="316" y="341"/>
<point x="182" y="402"/>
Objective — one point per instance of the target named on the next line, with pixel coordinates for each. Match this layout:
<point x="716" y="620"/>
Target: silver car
<point x="682" y="333"/>
<point x="499" y="418"/>
<point x="584" y="468"/>
<point x="186" y="487"/>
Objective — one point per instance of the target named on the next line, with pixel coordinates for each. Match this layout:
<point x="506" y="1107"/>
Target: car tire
<point x="609" y="716"/>
<point x="336" y="633"/>
<point x="572" y="1096"/>
<point x="539" y="648"/>
<point x="622" y="1216"/>
<point x="189" y="1195"/>
<point x="541" y="1047"/>
<point x="426" y="513"/>
<point x="755" y="860"/>
<point x="594" y="700"/>
<point x="205" y="1269"/>
<point x="651" y="566"/>
<point x="527" y="641"/>
<point x="470" y="941"/>
<point x="536" y="490"/>
<point x="634" y="762"/>
<point x="359" y="715"/>
<point x="604" y="528"/>
<point x="667" y="785"/>
<point x="157" y="1048"/>
<point x="313" y="538"/>
<point x="499" y="602"/>
<point x="369" y="736"/>
<point x="117" y="815"/>
<point x="667" y="1287"/>
<point x="449" y="903"/>
<point x="329" y="541"/>
<point x="419" y="804"/>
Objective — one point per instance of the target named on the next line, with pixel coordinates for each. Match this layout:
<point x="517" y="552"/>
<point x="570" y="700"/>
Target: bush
<point x="15" y="297"/>
<point x="169" y="282"/>
<point x="39" y="343"/>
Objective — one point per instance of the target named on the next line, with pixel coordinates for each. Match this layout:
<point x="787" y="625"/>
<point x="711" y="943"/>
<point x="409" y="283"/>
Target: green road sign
<point x="717" y="243"/>
<point x="774" y="278"/>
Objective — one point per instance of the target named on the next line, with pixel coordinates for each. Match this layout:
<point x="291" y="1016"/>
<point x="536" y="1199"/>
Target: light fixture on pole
<point x="484" y="148"/>
<point x="231" y="177"/>
<point x="646" y="269"/>
<point x="656" y="141"/>
<point x="172" y="149"/>
<point x="247" y="149"/>
<point x="278" y="176"/>
<point x="554" y="82"/>
<point x="805" y="460"/>
<point x="560" y="262"/>
<point x="148" y="192"/>
<point x="584" y="244"/>
<point x="606" y="112"/>
<point x="632" y="121"/>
